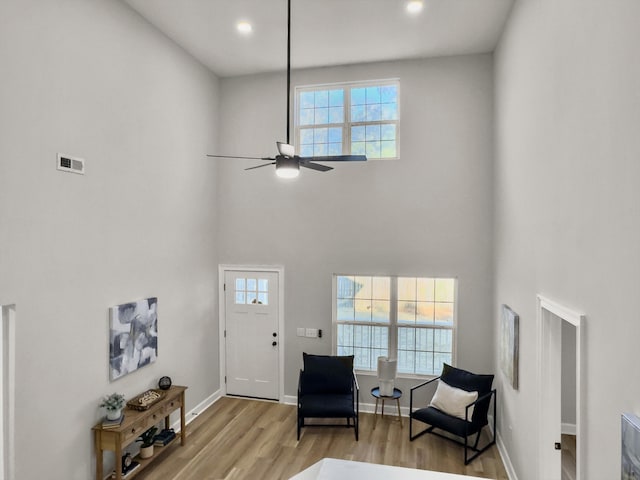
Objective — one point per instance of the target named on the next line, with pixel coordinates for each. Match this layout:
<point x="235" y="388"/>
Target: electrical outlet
<point x="66" y="163"/>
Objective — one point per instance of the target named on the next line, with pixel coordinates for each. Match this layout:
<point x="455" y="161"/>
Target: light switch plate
<point x="300" y="332"/>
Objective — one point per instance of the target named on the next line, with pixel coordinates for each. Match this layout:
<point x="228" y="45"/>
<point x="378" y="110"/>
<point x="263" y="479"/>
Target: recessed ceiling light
<point x="244" y="27"/>
<point x="414" y="6"/>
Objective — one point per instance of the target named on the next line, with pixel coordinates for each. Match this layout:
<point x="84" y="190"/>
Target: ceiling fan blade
<point x="315" y="166"/>
<point x="336" y="158"/>
<point x="260" y="166"/>
<point x="235" y="156"/>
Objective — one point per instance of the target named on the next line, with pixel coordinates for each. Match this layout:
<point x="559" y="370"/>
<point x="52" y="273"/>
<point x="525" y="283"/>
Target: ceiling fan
<point x="286" y="161"/>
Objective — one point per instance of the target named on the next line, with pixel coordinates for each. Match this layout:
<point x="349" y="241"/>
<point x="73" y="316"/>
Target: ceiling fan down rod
<point x="288" y="65"/>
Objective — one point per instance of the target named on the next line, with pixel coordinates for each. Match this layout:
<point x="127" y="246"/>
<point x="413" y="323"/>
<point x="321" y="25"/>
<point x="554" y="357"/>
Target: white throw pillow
<point x="453" y="400"/>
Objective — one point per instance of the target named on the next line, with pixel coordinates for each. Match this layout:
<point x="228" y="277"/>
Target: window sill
<point x="402" y="376"/>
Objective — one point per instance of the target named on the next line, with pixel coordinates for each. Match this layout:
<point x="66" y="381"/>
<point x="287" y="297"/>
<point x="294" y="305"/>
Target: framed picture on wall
<point x="630" y="447"/>
<point x="509" y="326"/>
<point x="133" y="336"/>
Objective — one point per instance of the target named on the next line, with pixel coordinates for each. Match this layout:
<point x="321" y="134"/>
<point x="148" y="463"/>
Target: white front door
<point x="252" y="339"/>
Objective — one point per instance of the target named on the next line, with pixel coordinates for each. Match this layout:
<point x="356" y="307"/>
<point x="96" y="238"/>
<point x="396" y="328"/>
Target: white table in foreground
<point x="334" y="469"/>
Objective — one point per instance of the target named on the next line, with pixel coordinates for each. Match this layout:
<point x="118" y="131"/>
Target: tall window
<point x="348" y="119"/>
<point x="408" y="318"/>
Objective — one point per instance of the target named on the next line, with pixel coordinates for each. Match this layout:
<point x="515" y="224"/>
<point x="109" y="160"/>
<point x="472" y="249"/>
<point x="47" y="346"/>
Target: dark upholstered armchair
<point x="327" y="388"/>
<point x="459" y="406"/>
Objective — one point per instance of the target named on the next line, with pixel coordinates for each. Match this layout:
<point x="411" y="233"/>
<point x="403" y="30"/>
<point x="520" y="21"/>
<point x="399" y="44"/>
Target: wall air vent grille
<point x="70" y="164"/>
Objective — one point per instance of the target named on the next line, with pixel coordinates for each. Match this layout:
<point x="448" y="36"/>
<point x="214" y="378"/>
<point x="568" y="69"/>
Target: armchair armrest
<point x="479" y="399"/>
<point x="423" y="384"/>
<point x="355" y="381"/>
<point x="356" y="387"/>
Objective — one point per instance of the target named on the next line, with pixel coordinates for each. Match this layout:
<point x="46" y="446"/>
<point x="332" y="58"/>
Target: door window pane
<point x="251" y="291"/>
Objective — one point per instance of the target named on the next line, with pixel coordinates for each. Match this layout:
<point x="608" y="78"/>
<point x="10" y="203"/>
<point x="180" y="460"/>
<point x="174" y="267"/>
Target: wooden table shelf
<point x="134" y="424"/>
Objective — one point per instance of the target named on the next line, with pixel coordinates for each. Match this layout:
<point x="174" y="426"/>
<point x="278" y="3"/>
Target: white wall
<point x="429" y="213"/>
<point x="567" y="206"/>
<point x="92" y="79"/>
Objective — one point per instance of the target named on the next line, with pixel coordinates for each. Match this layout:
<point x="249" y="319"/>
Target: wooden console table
<point x="133" y="425"/>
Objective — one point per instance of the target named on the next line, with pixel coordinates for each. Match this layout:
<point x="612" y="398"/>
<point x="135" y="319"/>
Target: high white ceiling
<point x="324" y="32"/>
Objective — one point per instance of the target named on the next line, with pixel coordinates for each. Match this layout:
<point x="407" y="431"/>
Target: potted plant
<point x="146" y="449"/>
<point x="113" y="404"/>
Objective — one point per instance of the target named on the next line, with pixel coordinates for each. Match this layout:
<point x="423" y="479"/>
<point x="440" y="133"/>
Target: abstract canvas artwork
<point x="133" y="336"/>
<point x="509" y="345"/>
<point x="630" y="468"/>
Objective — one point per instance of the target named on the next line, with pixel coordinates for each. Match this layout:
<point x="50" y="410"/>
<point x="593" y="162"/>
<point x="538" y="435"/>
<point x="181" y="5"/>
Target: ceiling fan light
<point x="287" y="167"/>
<point x="287" y="172"/>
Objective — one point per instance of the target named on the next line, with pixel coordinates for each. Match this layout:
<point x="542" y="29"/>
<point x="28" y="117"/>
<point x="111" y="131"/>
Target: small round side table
<point x="397" y="393"/>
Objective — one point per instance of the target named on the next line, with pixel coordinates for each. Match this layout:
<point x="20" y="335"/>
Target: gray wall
<point x="567" y="215"/>
<point x="92" y="79"/>
<point x="429" y="213"/>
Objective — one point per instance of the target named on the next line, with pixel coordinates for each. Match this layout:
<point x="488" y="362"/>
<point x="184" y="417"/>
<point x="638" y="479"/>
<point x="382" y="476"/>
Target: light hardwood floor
<point x="249" y="439"/>
<point x="568" y="457"/>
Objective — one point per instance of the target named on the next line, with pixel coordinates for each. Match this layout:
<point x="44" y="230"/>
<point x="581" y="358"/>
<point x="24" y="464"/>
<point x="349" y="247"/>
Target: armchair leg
<point x="475" y="445"/>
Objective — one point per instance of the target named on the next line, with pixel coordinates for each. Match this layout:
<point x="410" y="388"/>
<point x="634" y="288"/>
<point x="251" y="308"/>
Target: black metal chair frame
<point x="356" y="400"/>
<point x="465" y="442"/>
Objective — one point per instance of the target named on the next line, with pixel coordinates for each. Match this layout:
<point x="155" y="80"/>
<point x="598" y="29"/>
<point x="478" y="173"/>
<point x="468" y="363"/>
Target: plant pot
<point x="114" y="414"/>
<point x="146" y="452"/>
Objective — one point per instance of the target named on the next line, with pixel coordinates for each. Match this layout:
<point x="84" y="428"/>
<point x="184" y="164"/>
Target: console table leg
<point x="118" y="459"/>
<point x="99" y="455"/>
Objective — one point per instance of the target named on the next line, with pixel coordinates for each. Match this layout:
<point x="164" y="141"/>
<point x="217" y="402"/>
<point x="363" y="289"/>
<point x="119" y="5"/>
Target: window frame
<point x="393" y="321"/>
<point x="347" y="124"/>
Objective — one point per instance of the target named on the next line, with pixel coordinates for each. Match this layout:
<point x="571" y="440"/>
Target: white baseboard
<point x="198" y="409"/>
<point x="568" y="428"/>
<point x="508" y="466"/>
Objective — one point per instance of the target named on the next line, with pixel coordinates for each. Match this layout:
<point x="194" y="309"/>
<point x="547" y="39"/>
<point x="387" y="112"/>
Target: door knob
<point x="274" y="344"/>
